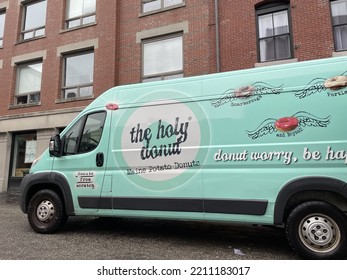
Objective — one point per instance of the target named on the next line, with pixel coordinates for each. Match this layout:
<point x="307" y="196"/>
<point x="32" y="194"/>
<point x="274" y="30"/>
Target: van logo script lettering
<point x="168" y="138"/>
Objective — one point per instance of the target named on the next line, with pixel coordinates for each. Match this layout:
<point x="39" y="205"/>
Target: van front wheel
<point x="317" y="230"/>
<point x="46" y="212"/>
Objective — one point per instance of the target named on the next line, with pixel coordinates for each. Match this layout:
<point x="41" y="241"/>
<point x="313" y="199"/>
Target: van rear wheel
<point x="46" y="212"/>
<point x="317" y="230"/>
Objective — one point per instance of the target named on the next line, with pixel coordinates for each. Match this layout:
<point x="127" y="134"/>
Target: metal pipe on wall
<point x="216" y="11"/>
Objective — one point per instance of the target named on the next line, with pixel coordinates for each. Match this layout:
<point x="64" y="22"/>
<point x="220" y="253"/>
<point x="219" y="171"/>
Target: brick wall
<point x="118" y="55"/>
<point x="56" y="36"/>
<point x="198" y="42"/>
<point x="311" y="31"/>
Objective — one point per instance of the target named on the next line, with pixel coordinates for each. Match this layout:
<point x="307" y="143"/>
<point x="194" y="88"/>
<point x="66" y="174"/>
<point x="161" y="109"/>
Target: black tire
<point x="317" y="230"/>
<point x="46" y="213"/>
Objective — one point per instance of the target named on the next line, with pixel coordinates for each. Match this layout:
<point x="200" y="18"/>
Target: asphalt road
<point x="134" y="239"/>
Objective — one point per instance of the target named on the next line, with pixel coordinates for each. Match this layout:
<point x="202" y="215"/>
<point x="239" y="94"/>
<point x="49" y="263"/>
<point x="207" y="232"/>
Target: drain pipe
<point x="216" y="17"/>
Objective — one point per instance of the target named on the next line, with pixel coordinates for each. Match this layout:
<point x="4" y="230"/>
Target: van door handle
<point x="99" y="159"/>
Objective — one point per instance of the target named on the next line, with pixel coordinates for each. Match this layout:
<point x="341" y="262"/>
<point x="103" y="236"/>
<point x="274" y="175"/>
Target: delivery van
<point x="263" y="146"/>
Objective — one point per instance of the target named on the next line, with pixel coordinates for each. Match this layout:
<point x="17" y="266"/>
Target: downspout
<point x="216" y="16"/>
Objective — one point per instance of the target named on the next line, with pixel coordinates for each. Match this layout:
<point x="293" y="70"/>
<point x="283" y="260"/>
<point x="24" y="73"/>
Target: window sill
<point x="59" y="101"/>
<point x="61" y="31"/>
<point x="275" y="62"/>
<point x="30" y="40"/>
<point x="21" y="106"/>
<point x="340" y="53"/>
<point x="162" y="10"/>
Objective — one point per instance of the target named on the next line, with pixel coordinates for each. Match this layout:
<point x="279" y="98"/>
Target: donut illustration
<point x="336" y="82"/>
<point x="300" y="120"/>
<point x="286" y="124"/>
<point x="244" y="91"/>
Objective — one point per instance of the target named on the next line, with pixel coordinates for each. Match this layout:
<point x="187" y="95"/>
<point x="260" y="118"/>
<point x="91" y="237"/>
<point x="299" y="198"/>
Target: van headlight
<point x="36" y="160"/>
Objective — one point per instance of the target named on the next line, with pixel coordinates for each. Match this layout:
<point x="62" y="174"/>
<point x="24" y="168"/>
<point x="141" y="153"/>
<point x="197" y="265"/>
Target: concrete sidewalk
<point x="11" y="196"/>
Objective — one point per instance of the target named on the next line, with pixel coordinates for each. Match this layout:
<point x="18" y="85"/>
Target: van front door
<point x="83" y="160"/>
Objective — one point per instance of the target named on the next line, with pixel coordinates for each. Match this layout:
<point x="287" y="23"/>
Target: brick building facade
<point x="57" y="56"/>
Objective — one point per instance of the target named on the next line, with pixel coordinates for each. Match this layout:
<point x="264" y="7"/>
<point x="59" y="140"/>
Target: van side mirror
<point x="55" y="146"/>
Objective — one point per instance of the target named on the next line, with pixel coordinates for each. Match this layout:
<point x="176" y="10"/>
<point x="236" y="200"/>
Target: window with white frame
<point x="2" y="27"/>
<point x="274" y="36"/>
<point x="78" y="75"/>
<point x="339" y="21"/>
<point x="157" y="5"/>
<point x="162" y="58"/>
<point x="34" y="19"/>
<point x="80" y="12"/>
<point x="28" y="87"/>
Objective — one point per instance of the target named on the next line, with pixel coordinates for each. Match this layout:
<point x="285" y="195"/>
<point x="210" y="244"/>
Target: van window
<point x="85" y="135"/>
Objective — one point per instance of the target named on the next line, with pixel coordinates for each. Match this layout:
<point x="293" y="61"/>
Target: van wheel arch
<point x="294" y="193"/>
<point x="48" y="181"/>
<point x="39" y="187"/>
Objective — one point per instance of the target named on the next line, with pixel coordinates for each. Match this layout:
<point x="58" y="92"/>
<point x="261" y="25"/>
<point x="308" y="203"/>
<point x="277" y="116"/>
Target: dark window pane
<point x="72" y="138"/>
<point x="282" y="47"/>
<point x="339" y="12"/>
<point x="340" y="34"/>
<point x="22" y="100"/>
<point x="151" y="79"/>
<point x="34" y="98"/>
<point x="24" y="153"/>
<point x="267" y="49"/>
<point x="92" y="132"/>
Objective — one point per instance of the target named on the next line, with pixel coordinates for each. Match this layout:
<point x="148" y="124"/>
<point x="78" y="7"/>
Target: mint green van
<point x="261" y="146"/>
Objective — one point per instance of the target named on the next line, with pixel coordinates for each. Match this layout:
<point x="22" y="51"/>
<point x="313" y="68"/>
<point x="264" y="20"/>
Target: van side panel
<point x="249" y="157"/>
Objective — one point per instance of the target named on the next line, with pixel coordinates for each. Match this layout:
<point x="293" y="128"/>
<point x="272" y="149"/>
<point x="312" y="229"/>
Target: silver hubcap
<point x="45" y="211"/>
<point x="319" y="233"/>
